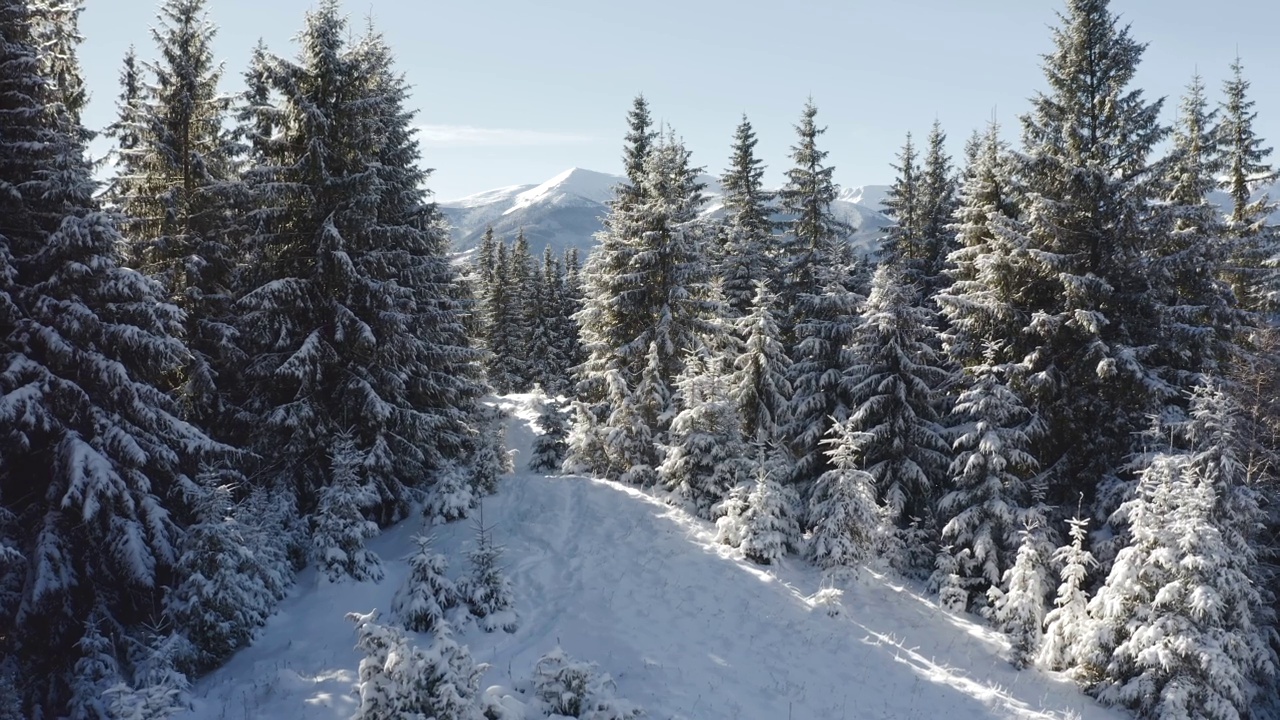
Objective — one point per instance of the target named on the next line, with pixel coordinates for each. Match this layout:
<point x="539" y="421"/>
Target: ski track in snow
<point x="686" y="627"/>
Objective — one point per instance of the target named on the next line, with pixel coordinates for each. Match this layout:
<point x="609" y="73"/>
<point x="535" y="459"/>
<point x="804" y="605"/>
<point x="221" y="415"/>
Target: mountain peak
<point x="596" y="187"/>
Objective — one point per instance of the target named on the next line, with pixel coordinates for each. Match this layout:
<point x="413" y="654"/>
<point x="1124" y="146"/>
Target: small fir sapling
<point x="427" y="593"/>
<point x="485" y="590"/>
<point x="550" y="448"/>
<point x="339" y="525"/>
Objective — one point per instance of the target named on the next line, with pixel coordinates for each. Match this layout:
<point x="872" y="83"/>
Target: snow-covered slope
<point x="566" y="211"/>
<point x="687" y="628"/>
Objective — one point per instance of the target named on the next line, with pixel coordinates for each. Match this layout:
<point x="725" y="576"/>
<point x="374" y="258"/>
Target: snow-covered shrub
<point x="485" y="589"/>
<point x="339" y="525"/>
<point x="159" y="689"/>
<point x="151" y="702"/>
<point x="769" y="525"/>
<point x="828" y="598"/>
<point x="576" y="689"/>
<point x="400" y="681"/>
<point x="728" y="514"/>
<point x="420" y="602"/>
<point x="951" y="593"/>
<point x="550" y="447"/>
<point x="452" y="497"/>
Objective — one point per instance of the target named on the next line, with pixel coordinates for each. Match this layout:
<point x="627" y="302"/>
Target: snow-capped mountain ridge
<point x="567" y="211"/>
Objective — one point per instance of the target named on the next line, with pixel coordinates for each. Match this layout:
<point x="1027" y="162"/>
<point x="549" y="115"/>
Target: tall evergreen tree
<point x="896" y="378"/>
<point x="816" y="306"/>
<point x="1245" y="169"/>
<point x="988" y="273"/>
<point x="353" y="309"/>
<point x="747" y="237"/>
<point x="641" y="318"/>
<point x="500" y="306"/>
<point x="522" y="277"/>
<point x="1088" y="301"/>
<point x="177" y="160"/>
<point x="814" y="245"/>
<point x="86" y="347"/>
<point x="1202" y="324"/>
<point x="937" y="197"/>
<point x="56" y="35"/>
<point x="902" y="203"/>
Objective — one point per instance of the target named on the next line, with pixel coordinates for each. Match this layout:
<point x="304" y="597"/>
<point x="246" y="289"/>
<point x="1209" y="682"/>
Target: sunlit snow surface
<point x="687" y="628"/>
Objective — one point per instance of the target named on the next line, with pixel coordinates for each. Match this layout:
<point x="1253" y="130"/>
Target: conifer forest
<point x="246" y="346"/>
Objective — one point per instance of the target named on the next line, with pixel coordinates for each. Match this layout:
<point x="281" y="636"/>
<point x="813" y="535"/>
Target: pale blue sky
<point x="513" y="92"/>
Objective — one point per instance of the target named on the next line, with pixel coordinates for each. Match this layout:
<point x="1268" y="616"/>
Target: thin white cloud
<point x="468" y="136"/>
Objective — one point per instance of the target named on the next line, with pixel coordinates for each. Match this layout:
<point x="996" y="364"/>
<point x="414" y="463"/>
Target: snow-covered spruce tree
<point x="569" y="335"/>
<point x="1172" y="631"/>
<point x="96" y="669"/>
<point x="550" y="446"/>
<point x="453" y="495"/>
<point x="86" y="349"/>
<point x="223" y="593"/>
<point x="703" y="456"/>
<point x="484" y="589"/>
<point x="339" y="523"/>
<point x="896" y="379"/>
<point x="1255" y="243"/>
<point x="768" y="527"/>
<point x="399" y="680"/>
<point x="816" y="307"/>
<point x="607" y="319"/>
<point x="500" y="304"/>
<point x="937" y="203"/>
<point x="952" y="594"/>
<point x="922" y="200"/>
<point x="352" y="311"/>
<point x="813" y="244"/>
<point x="760" y="386"/>
<point x="843" y="513"/>
<point x="56" y="36"/>
<point x="176" y="161"/>
<point x="1202" y="320"/>
<point x="1067" y="624"/>
<point x="1090" y="301"/>
<point x="632" y="453"/>
<point x="549" y="363"/>
<point x="1018" y="606"/>
<point x="648" y="298"/>
<point x="523" y="280"/>
<point x="747" y="231"/>
<point x="990" y="496"/>
<point x="427" y="593"/>
<point x="490" y="458"/>
<point x="902" y="203"/>
<point x="986" y="274"/>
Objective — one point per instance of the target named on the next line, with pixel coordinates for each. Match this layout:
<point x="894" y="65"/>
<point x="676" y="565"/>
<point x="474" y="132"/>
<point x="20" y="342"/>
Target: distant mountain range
<point x="566" y="211"/>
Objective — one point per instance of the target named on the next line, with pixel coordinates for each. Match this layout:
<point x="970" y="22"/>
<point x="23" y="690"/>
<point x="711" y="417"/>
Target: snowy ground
<point x="687" y="628"/>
